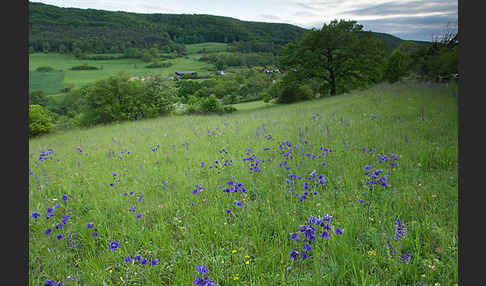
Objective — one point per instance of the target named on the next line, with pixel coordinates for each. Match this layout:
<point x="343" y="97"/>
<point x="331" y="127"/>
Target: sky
<point x="406" y="19"/>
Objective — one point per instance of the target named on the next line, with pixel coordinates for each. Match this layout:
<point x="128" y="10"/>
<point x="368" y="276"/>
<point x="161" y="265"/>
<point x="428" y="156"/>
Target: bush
<point x="83" y="67"/>
<point x="44" y="69"/>
<point x="229" y="109"/>
<point x="159" y="65"/>
<point x="40" y="121"/>
<point x="118" y="99"/>
<point x="210" y="105"/>
<point x="38" y="98"/>
<point x="266" y="97"/>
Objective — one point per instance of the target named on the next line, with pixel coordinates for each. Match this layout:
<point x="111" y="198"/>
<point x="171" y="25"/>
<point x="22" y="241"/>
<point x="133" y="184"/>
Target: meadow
<point x="356" y="189"/>
<point x="52" y="82"/>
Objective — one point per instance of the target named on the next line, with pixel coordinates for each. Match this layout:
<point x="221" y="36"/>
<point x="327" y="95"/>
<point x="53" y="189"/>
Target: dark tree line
<point x="55" y="29"/>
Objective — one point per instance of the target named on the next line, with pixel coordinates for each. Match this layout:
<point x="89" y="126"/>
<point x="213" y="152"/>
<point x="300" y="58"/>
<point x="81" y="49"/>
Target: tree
<point x="337" y="54"/>
<point x="38" y="98"/>
<point x="40" y="121"/>
<point x="398" y="65"/>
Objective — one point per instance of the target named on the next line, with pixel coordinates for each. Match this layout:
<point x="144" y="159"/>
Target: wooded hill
<point x="56" y="29"/>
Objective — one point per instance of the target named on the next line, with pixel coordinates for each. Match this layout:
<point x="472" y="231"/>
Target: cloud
<point x="404" y="9"/>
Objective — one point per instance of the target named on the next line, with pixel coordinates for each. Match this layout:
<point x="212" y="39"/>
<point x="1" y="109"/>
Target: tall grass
<point x="160" y="159"/>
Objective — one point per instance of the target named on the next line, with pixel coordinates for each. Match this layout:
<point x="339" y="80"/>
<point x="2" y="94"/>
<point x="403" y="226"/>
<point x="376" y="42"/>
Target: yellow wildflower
<point x="372" y="252"/>
<point x="247" y="262"/>
<point x="233" y="251"/>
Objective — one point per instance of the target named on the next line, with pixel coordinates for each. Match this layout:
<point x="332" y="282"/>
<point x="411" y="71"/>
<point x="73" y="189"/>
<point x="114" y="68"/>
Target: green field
<point x="48" y="82"/>
<point x="244" y="237"/>
<point x="130" y="67"/>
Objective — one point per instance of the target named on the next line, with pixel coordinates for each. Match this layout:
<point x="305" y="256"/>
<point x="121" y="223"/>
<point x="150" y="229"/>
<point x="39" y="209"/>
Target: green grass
<point x="48" y="82"/>
<point x="209" y="47"/>
<point x="183" y="229"/>
<point x="130" y="67"/>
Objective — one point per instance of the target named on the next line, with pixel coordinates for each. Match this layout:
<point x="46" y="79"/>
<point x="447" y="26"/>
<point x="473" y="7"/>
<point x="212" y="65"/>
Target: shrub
<point x="38" y="98"/>
<point x="229" y="109"/>
<point x="44" y="69"/>
<point x="210" y="105"/>
<point x="266" y="97"/>
<point x="40" y="121"/>
<point x="83" y="67"/>
<point x="159" y="65"/>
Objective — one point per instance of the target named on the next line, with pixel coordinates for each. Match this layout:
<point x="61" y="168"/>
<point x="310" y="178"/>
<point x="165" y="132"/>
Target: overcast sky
<point x="406" y="19"/>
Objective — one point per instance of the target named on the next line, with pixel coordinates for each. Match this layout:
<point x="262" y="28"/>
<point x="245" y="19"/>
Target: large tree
<point x="340" y="54"/>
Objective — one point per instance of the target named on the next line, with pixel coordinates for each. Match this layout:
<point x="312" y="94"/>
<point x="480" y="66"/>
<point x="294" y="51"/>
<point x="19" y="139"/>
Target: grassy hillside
<point x="154" y="191"/>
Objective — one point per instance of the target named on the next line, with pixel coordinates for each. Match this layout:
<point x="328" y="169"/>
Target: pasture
<point x="52" y="82"/>
<point x="357" y="189"/>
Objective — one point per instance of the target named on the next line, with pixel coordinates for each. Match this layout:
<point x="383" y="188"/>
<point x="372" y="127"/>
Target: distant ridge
<point x="55" y="28"/>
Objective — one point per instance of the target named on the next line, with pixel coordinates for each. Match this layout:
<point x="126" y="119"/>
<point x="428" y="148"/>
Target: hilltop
<point x="57" y="29"/>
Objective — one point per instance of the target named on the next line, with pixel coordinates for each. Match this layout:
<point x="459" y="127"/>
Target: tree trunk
<point x="332" y="77"/>
<point x="332" y="82"/>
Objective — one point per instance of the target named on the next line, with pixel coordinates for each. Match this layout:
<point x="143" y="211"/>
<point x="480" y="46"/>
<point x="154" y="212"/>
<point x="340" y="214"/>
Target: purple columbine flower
<point x="144" y="261"/>
<point x="114" y="245"/>
<point x="137" y="258"/>
<point x="139" y="216"/>
<point x="48" y="231"/>
<point x="294" y="255"/>
<point x="339" y="231"/>
<point x="95" y="233"/>
<point x="325" y="235"/>
<point x="201" y="269"/>
<point x="132" y="209"/>
<point x="155" y="261"/>
<point x="90" y="225"/>
<point x="64" y="219"/>
<point x="35" y="215"/>
<point x="237" y="203"/>
<point x="128" y="259"/>
<point x="64" y="197"/>
<point x="60" y="236"/>
<point x="294" y="236"/>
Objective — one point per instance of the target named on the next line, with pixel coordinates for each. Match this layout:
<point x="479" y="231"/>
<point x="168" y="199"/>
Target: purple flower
<point x="294" y="236"/>
<point x="137" y="258"/>
<point x="50" y="212"/>
<point x="294" y="255"/>
<point x="404" y="258"/>
<point x="139" y="216"/>
<point x="95" y="233"/>
<point x="237" y="203"/>
<point x="201" y="269"/>
<point x="228" y="211"/>
<point x="391" y="251"/>
<point x="114" y="245"/>
<point x="90" y="225"/>
<point x="64" y="219"/>
<point x="339" y="231"/>
<point x="48" y="231"/>
<point x="35" y="215"/>
<point x="59" y="226"/>
<point x="60" y="236"/>
<point x="144" y="261"/>
<point x="128" y="259"/>
<point x="400" y="230"/>
<point x="325" y="235"/>
<point x="132" y="209"/>
<point x="64" y="197"/>
<point x="155" y="261"/>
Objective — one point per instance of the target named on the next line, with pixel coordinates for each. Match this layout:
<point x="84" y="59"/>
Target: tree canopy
<point x="341" y="54"/>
